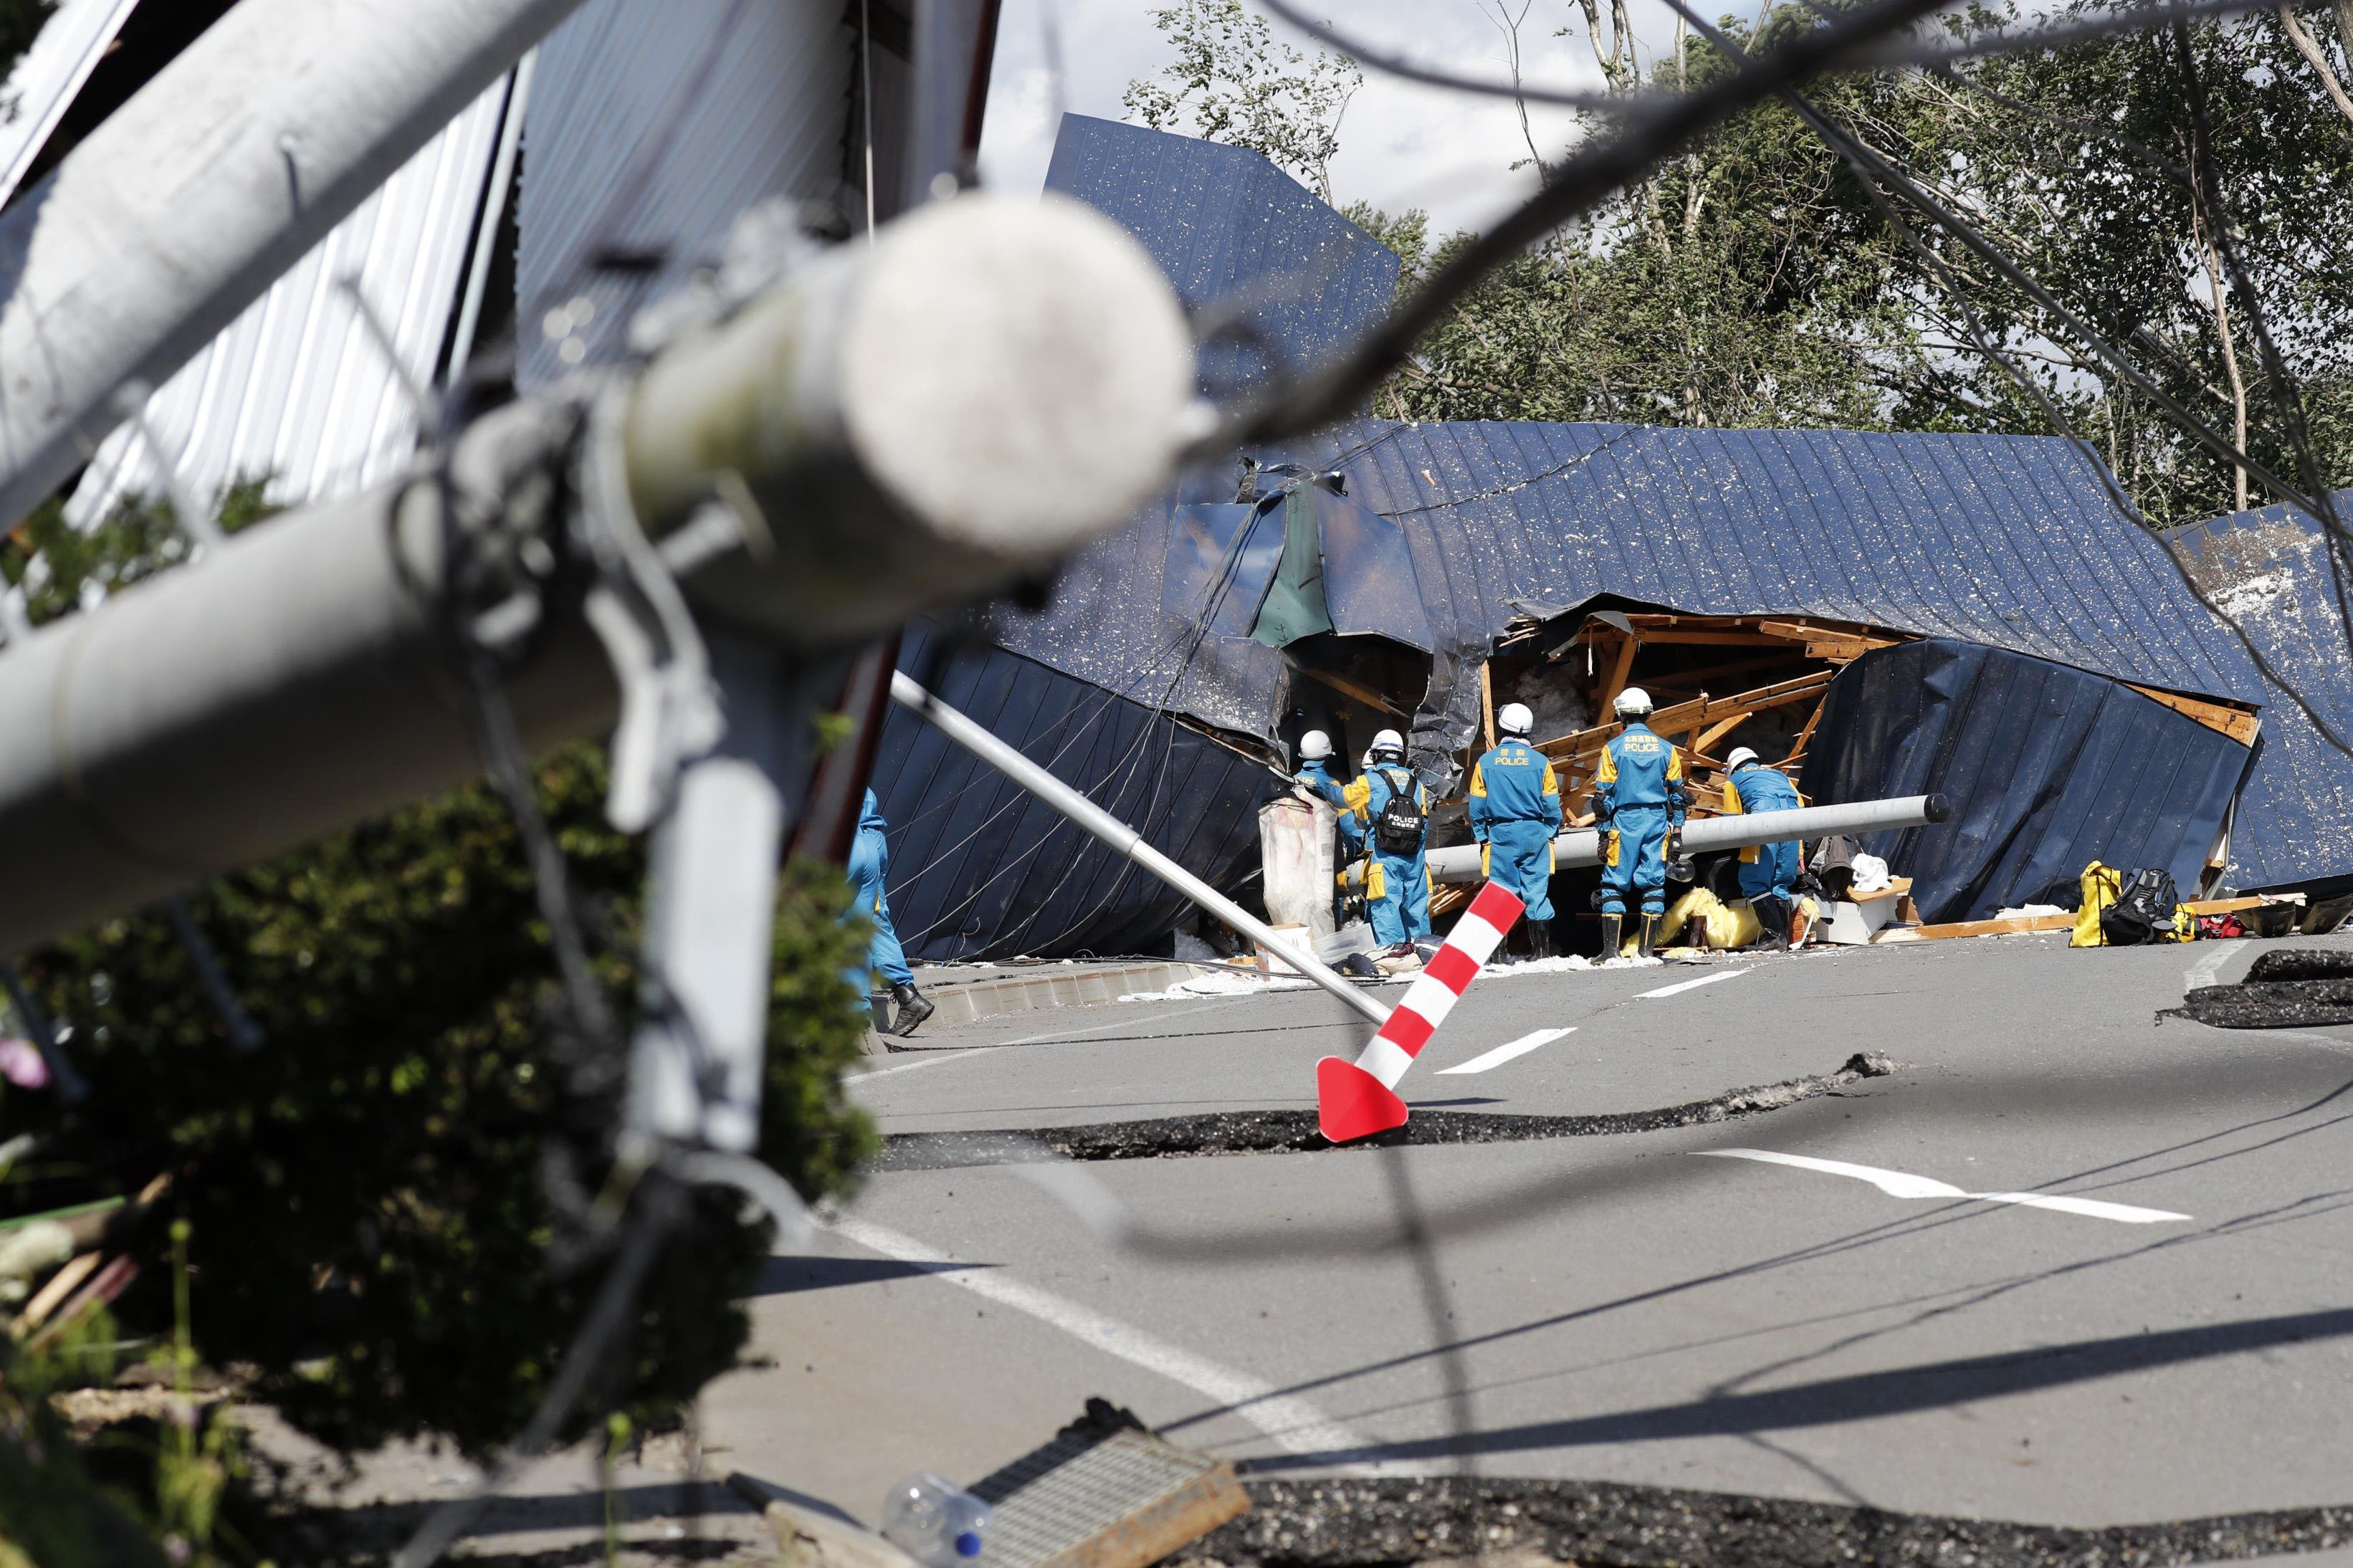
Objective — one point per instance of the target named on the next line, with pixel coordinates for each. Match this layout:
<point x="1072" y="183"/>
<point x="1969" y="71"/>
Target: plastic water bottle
<point x="934" y="1522"/>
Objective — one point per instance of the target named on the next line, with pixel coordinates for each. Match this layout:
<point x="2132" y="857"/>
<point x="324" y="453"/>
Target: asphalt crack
<point x="1351" y="1524"/>
<point x="2299" y="988"/>
<point x="1295" y="1131"/>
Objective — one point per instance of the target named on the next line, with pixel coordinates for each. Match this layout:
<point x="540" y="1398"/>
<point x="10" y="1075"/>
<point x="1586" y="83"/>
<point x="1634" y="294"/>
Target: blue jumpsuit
<point x="1317" y="775"/>
<point x="1515" y="816"/>
<point x="870" y="856"/>
<point x="1766" y="871"/>
<point x="1396" y="886"/>
<point x="1638" y="791"/>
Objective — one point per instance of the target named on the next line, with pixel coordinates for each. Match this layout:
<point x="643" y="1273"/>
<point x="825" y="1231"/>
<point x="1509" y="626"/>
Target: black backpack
<point x="2143" y="912"/>
<point x="1400" y="825"/>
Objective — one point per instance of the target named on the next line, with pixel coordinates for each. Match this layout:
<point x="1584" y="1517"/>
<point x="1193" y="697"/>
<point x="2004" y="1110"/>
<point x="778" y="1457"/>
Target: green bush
<point x="368" y="1188"/>
<point x="383" y="1198"/>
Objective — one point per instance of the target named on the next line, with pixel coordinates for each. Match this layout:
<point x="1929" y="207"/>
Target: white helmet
<point x="1314" y="746"/>
<point x="1514" y="719"/>
<point x="1632" y="703"/>
<point x="1740" y="755"/>
<point x="1389" y="740"/>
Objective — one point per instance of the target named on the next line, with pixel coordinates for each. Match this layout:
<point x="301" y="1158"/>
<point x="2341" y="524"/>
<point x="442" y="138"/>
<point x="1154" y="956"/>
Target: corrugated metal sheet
<point x="652" y="124"/>
<point x="980" y="869"/>
<point x="1221" y="219"/>
<point x="43" y="83"/>
<point x="2048" y="768"/>
<point x="2267" y="571"/>
<point x="295" y="389"/>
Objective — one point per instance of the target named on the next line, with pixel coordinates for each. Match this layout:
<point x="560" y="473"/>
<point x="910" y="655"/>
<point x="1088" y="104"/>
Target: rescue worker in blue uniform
<point x="1768" y="872"/>
<point x="869" y="857"/>
<point x="1516" y="815"/>
<point x="1639" y="799"/>
<point x="1316" y="777"/>
<point x="1392" y="811"/>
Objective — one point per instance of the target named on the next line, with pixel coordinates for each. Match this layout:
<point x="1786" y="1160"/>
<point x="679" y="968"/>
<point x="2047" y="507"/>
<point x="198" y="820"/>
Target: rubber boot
<point x="912" y="1008"/>
<point x="1539" y="939"/>
<point x="1612" y="936"/>
<point x="1773" y="915"/>
<point x="1642" y="944"/>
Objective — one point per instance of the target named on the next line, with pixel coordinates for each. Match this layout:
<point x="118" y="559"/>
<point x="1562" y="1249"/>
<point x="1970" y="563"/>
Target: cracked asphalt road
<point x="1878" y="1317"/>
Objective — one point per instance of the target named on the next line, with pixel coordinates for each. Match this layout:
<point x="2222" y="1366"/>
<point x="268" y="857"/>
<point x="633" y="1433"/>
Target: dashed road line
<point x="934" y="1060"/>
<point x="1504" y="1053"/>
<point x="1904" y="1184"/>
<point x="1293" y="1423"/>
<point x="1693" y="985"/>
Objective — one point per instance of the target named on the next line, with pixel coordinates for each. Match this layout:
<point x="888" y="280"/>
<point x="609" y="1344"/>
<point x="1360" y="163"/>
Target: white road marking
<point x="1293" y="1423"/>
<point x="934" y="1059"/>
<point x="1695" y="985"/>
<point x="1102" y="1024"/>
<point x="2206" y="970"/>
<point x="1904" y="1184"/>
<point x="1503" y="1054"/>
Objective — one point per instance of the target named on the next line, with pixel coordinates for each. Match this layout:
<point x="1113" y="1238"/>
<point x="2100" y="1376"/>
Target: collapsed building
<point x="1885" y="614"/>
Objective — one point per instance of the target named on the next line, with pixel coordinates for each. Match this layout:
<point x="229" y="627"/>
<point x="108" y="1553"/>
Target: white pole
<point x="1459" y="862"/>
<point x="216" y="176"/>
<point x="1006" y="760"/>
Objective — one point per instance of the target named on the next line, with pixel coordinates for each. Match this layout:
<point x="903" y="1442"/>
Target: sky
<point x="1402" y="146"/>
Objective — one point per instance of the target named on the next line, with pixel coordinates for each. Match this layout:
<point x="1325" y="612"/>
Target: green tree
<point x="1232" y="82"/>
<point x="1752" y="279"/>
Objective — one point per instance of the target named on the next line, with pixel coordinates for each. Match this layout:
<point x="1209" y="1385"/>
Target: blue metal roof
<point x="2267" y="570"/>
<point x="1231" y="230"/>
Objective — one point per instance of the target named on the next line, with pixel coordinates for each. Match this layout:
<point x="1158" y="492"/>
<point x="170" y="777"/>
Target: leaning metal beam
<point x="1124" y="841"/>
<point x="1460" y="863"/>
<point x="216" y="177"/>
<point x="298" y="680"/>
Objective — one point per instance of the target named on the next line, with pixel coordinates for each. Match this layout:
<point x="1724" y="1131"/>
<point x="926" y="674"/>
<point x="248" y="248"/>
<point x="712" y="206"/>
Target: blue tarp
<point x="2047" y="767"/>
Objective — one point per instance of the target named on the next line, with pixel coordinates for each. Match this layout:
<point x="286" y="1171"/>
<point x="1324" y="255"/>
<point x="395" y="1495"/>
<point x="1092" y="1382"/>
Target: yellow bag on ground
<point x="2101" y="885"/>
<point x="1713" y="923"/>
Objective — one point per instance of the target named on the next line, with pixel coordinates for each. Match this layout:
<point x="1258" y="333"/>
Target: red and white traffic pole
<point x="1355" y="1099"/>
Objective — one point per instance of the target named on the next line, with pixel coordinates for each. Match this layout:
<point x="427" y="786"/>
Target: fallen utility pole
<point x="1459" y="862"/>
<point x="1124" y="839"/>
<point x="185" y="203"/>
<point x="878" y="418"/>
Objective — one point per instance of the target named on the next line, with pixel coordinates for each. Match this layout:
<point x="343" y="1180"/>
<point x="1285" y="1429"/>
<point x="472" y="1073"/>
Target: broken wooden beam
<point x="2238" y="723"/>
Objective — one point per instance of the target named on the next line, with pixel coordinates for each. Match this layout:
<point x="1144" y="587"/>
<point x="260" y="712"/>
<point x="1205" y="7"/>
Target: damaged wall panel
<point x="2048" y="768"/>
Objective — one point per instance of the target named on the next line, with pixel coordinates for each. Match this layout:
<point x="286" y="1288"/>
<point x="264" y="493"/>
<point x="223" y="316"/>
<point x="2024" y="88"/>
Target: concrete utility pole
<point x="884" y="431"/>
<point x="1582" y="847"/>
<point x="181" y="208"/>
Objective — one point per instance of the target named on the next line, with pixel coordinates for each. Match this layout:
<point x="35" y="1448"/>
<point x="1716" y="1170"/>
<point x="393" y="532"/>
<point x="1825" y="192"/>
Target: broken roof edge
<point x="1544" y="613"/>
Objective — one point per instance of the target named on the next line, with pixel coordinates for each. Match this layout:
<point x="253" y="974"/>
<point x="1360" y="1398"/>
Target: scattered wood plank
<point x="2015" y="925"/>
<point x="1687" y="716"/>
<point x="1718" y="731"/>
<point x="2236" y="722"/>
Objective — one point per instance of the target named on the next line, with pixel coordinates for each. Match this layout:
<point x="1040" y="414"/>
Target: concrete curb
<point x="1072" y="987"/>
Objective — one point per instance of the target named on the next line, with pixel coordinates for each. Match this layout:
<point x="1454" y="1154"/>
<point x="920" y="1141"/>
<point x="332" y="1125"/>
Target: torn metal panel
<point x="2048" y="767"/>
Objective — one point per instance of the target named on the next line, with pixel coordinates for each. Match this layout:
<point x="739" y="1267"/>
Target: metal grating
<point x="1095" y="1500"/>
